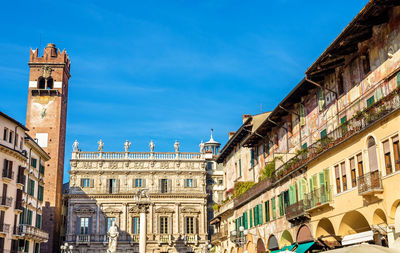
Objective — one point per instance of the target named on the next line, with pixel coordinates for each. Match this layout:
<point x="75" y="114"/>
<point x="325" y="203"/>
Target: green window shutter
<point x="251" y="218"/>
<point x="240" y="167"/>
<point x="327" y="177"/>
<point x="343" y="120"/>
<point x="398" y="79"/>
<point x="370" y="101"/>
<point x="304" y="146"/>
<point x="321" y="179"/>
<point x="260" y="206"/>
<point x="280" y="202"/>
<point x="267" y="218"/>
<point x="236" y="225"/>
<point x="321" y="99"/>
<point x="292" y="194"/>
<point x="302" y="113"/>
<point x="323" y="134"/>
<point x="273" y="202"/>
<point x="245" y="224"/>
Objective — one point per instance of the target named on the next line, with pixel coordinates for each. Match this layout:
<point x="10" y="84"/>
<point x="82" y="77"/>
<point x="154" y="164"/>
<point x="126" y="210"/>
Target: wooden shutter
<point x="251" y="218"/>
<point x="292" y="194"/>
<point x="169" y="184"/>
<point x="117" y="186"/>
<point x="327" y="177"/>
<point x="373" y="159"/>
<point x="267" y="218"/>
<point x="260" y="208"/>
<point x="10" y="169"/>
<point x="321" y="179"/>
<point x="302" y="114"/>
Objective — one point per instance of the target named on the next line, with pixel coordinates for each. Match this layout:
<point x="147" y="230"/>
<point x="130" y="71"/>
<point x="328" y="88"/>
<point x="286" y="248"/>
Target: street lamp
<point x="66" y="248"/>
<point x="239" y="238"/>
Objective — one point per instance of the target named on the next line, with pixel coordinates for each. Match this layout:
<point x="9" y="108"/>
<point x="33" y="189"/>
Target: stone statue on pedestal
<point x="127" y="144"/>
<point x="75" y="146"/>
<point x="151" y="145"/>
<point x="201" y="145"/>
<point x="176" y="146"/>
<point x="112" y="235"/>
<point x="101" y="144"/>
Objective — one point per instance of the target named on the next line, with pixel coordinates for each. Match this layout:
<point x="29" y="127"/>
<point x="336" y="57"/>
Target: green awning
<point x="290" y="247"/>
<point x="303" y="247"/>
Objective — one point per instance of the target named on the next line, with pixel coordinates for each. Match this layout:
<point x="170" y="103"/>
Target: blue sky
<point x="166" y="70"/>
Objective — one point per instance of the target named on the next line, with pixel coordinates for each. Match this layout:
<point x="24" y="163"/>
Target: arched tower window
<point x="372" y="157"/>
<point x="50" y="83"/>
<point x="42" y="83"/>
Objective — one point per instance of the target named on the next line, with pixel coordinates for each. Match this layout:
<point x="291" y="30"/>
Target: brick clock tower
<point x="46" y="119"/>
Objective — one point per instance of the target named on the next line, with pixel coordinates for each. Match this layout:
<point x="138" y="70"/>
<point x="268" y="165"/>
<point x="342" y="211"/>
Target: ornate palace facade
<point x="104" y="187"/>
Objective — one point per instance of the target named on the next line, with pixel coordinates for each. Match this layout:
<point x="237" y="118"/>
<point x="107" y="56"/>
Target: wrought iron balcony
<point x="297" y="211"/>
<point x="34" y="233"/>
<point x="319" y="197"/>
<point x="6" y="202"/>
<point x="370" y="183"/>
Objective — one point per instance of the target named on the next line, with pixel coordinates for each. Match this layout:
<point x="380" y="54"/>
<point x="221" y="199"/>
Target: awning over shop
<point x="289" y="248"/>
<point x="358" y="238"/>
<point x="362" y="248"/>
<point x="303" y="247"/>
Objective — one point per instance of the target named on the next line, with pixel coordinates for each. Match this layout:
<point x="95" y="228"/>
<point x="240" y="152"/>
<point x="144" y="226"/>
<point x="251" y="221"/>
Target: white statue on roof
<point x="201" y="145"/>
<point x="176" y="146"/>
<point x="152" y="145"/>
<point x="127" y="144"/>
<point x="101" y="144"/>
<point x="75" y="146"/>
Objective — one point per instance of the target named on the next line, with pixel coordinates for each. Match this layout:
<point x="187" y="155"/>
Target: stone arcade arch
<point x="272" y="243"/>
<point x="286" y="239"/>
<point x="324" y="228"/>
<point x="260" y="246"/>
<point x="353" y="222"/>
<point x="304" y="234"/>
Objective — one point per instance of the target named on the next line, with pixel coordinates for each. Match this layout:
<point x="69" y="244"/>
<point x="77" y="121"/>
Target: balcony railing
<point x="4" y="228"/>
<point x="34" y="233"/>
<point x="83" y="238"/>
<point x="79" y="155"/>
<point x="319" y="197"/>
<point x="165" y="239"/>
<point x="191" y="239"/>
<point x="370" y="183"/>
<point x="296" y="210"/>
<point x="6" y="201"/>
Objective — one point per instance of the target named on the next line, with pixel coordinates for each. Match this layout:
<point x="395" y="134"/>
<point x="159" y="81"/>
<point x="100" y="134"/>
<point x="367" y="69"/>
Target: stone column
<point x="143" y="225"/>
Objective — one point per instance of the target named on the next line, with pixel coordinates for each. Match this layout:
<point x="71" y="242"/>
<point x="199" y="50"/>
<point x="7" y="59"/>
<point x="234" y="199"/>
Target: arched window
<point x="372" y="157"/>
<point x="42" y="83"/>
<point x="50" y="83"/>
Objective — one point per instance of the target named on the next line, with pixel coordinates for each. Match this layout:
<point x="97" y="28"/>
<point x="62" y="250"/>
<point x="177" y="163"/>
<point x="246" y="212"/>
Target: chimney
<point x="245" y="117"/>
<point x="231" y="134"/>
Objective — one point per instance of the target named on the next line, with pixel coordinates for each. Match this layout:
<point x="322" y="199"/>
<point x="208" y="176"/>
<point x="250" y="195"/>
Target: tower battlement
<point x="51" y="55"/>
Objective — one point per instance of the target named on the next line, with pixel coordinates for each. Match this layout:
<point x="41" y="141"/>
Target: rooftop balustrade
<point x="80" y="155"/>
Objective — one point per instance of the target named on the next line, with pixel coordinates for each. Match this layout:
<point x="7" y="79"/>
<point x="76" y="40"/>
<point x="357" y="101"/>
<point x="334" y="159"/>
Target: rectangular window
<point x="5" y="134"/>
<point x="110" y="220"/>
<point x="10" y="140"/>
<point x="85" y="182"/>
<point x="323" y="135"/>
<point x="38" y="221"/>
<point x="29" y="217"/>
<point x="163" y="225"/>
<point x="31" y="187"/>
<point x="41" y="169"/>
<point x="252" y="162"/>
<point x="164" y="185"/>
<point x="337" y="177"/>
<point x="33" y="162"/>
<point x="370" y="101"/>
<point x="266" y="204"/>
<point x="240" y="167"/>
<point x="302" y="114"/>
<point x="84" y="226"/>
<point x="353" y="172"/>
<point x="138" y="182"/>
<point x="344" y="178"/>
<point x="388" y="158"/>
<point x="189" y="225"/>
<point x="396" y="151"/>
<point x="112" y="186"/>
<point x="189" y="183"/>
<point x="135" y="225"/>
<point x="360" y="165"/>
<point x="40" y="193"/>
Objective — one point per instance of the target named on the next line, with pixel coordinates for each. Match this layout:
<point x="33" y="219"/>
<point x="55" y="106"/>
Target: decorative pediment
<point x="189" y="210"/>
<point x="84" y="210"/>
<point x="164" y="210"/>
<point x="134" y="209"/>
<point x="112" y="211"/>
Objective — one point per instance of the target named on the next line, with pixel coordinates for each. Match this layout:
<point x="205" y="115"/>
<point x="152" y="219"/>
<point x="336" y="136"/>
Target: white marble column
<point x="142" y="233"/>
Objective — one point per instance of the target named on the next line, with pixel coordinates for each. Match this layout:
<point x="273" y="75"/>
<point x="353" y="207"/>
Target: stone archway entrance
<point x="260" y="246"/>
<point x="304" y="234"/>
